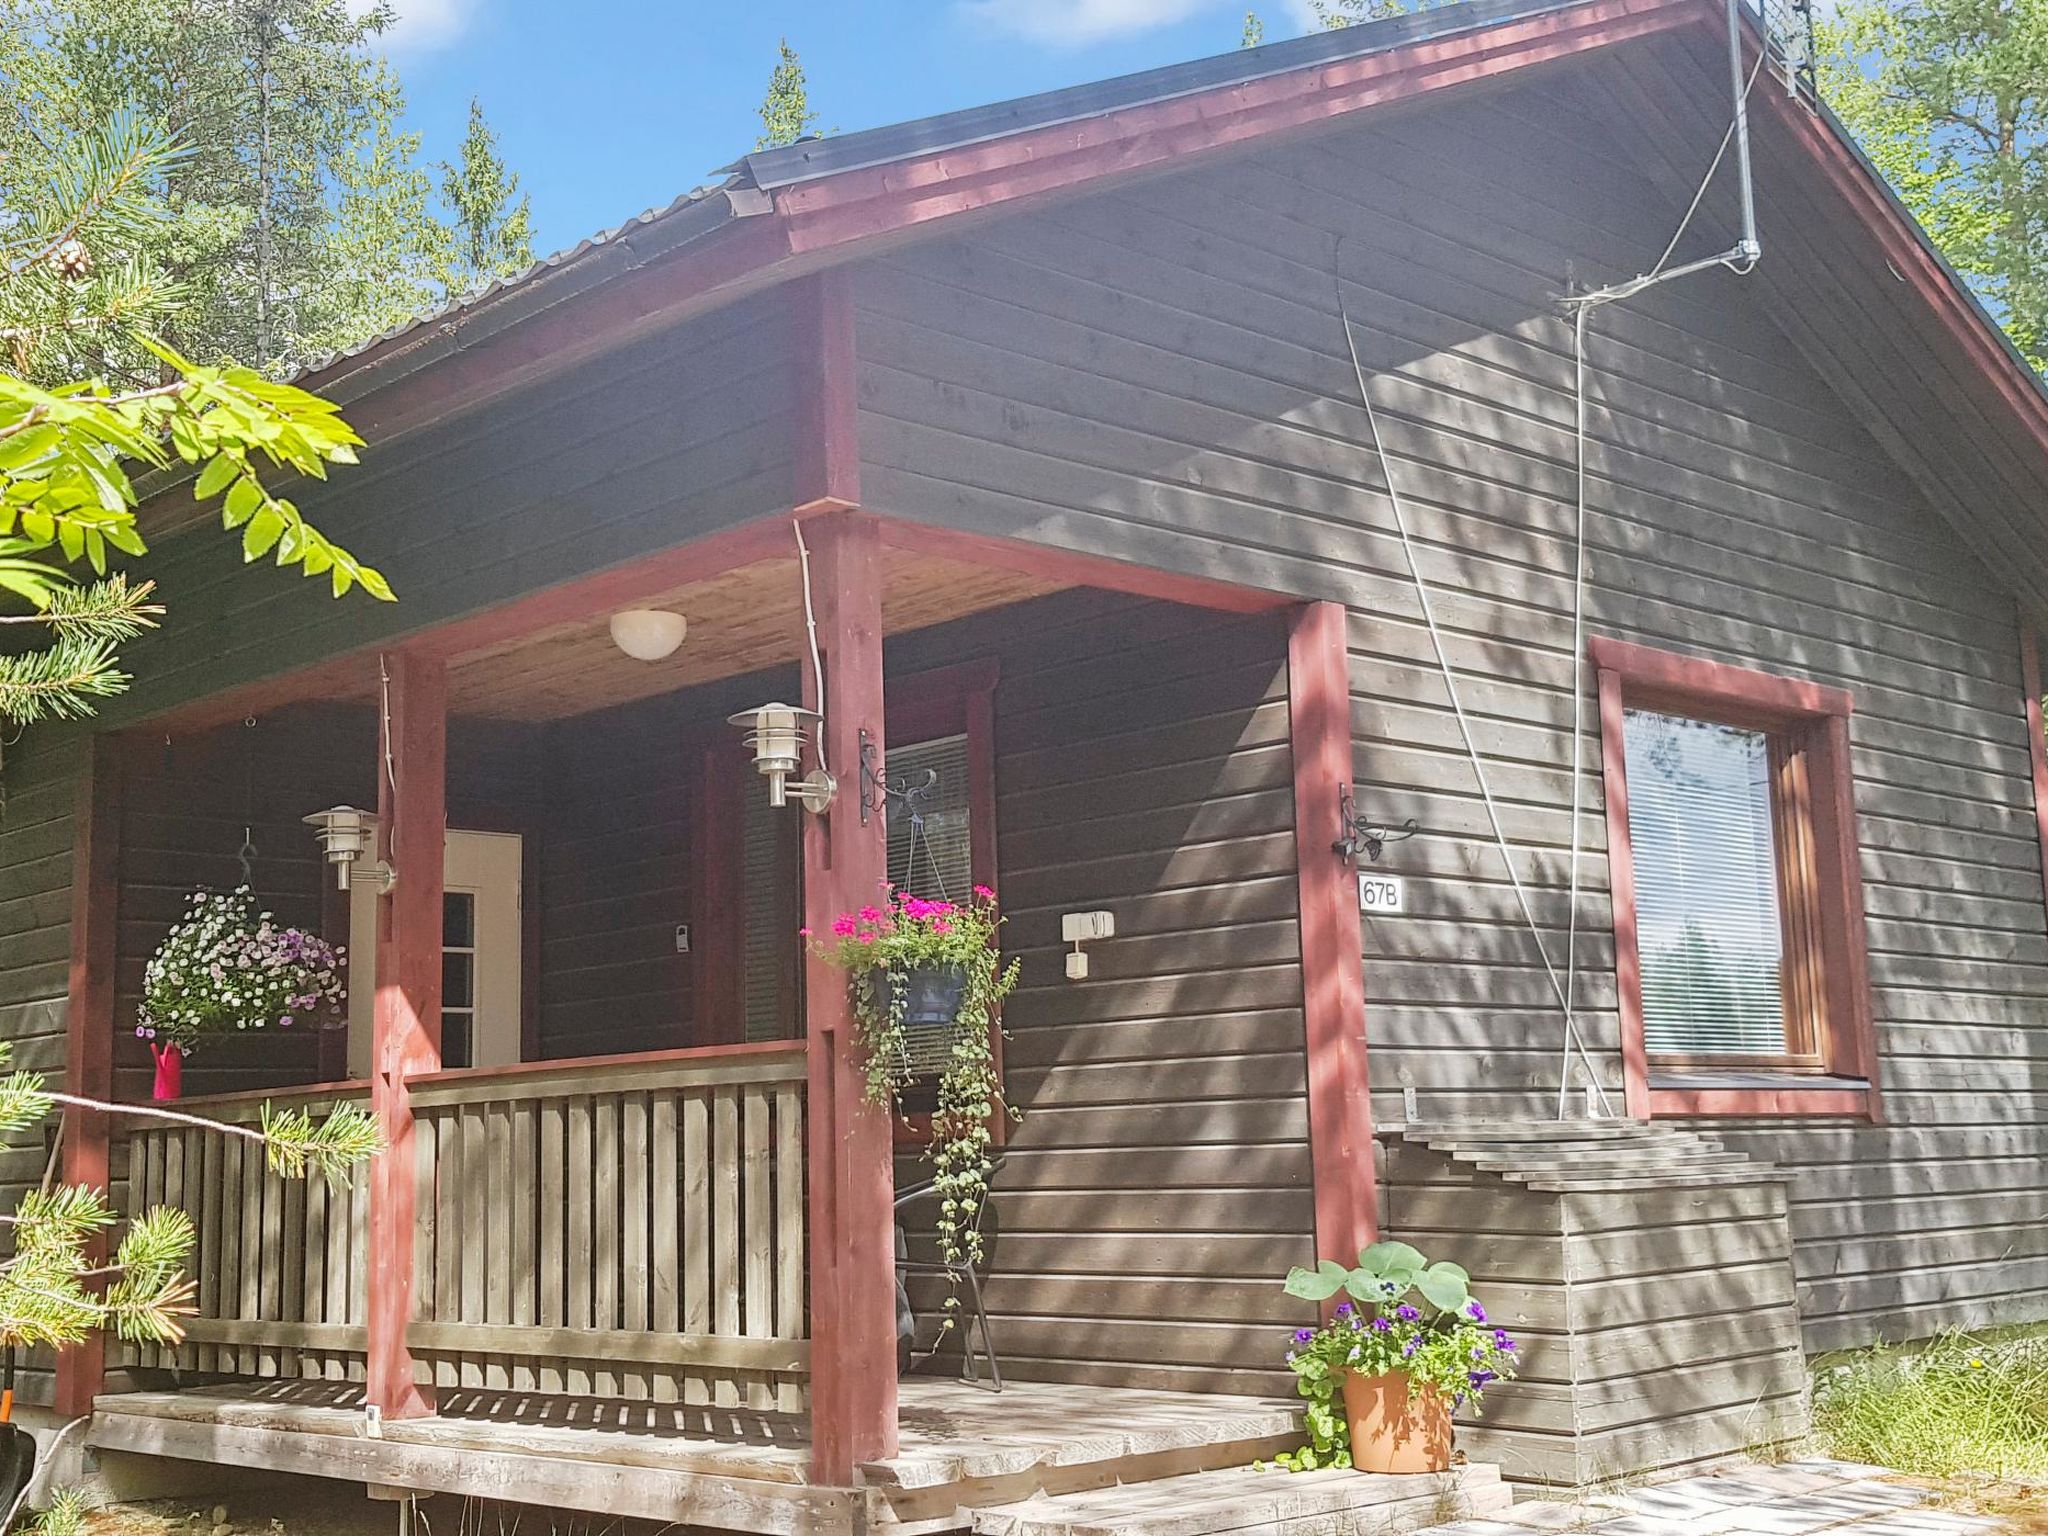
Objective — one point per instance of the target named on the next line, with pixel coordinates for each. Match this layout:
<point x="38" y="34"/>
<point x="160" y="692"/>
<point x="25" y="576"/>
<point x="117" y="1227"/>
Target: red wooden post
<point x="412" y="806"/>
<point x="2037" y="747"/>
<point x="827" y="468"/>
<point x="853" y="1299"/>
<point x="1332" y="947"/>
<point x="89" y="1022"/>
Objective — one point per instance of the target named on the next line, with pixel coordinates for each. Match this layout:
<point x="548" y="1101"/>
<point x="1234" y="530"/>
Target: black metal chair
<point x="965" y="1281"/>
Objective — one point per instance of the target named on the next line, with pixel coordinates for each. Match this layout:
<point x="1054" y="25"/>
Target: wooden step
<point x="1256" y="1503"/>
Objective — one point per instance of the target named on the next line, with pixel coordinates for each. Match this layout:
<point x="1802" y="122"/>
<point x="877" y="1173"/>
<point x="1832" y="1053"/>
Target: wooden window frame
<point x="1828" y="1015"/>
<point x="957" y="700"/>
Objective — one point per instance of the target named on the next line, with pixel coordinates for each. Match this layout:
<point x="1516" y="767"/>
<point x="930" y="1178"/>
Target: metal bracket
<point x="876" y="791"/>
<point x="1355" y="835"/>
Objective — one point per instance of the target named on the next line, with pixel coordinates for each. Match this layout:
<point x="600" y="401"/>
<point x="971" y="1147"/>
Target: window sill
<point x="1678" y="1095"/>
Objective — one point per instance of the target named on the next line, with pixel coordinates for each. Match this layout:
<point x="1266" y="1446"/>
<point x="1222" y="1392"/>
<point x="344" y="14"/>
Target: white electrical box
<point x="1085" y="927"/>
<point x="682" y="938"/>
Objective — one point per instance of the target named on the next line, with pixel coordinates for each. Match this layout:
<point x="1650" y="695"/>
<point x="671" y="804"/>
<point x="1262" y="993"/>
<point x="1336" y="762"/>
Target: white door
<point x="480" y="954"/>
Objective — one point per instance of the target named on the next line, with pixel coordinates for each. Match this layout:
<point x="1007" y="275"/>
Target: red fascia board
<point x="876" y="200"/>
<point x="2037" y="744"/>
<point x="758" y="249"/>
<point x="1905" y="247"/>
<point x="1650" y="675"/>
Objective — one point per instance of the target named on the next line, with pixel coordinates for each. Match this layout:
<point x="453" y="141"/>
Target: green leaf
<point x="1395" y="1261"/>
<point x="263" y="531"/>
<point x="1444" y="1287"/>
<point x="215" y="477"/>
<point x="1368" y="1287"/>
<point x="1318" y="1284"/>
<point x="243" y="498"/>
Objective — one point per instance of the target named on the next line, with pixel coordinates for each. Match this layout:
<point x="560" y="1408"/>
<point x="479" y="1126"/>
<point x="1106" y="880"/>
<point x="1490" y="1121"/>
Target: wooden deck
<point x="738" y="1468"/>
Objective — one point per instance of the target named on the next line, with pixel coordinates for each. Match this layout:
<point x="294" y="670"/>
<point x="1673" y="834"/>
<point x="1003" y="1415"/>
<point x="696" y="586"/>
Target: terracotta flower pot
<point x="1392" y="1431"/>
<point x="170" y="1072"/>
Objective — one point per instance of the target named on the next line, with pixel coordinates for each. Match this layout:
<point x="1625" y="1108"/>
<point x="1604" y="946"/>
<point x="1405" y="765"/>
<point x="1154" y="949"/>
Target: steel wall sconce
<point x="349" y="837"/>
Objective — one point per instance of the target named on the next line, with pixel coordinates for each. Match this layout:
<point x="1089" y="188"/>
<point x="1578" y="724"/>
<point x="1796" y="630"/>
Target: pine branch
<point x="60" y="682"/>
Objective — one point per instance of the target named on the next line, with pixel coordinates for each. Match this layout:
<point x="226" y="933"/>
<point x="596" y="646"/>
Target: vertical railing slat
<point x="554" y="1203"/>
<point x="634" y="1385"/>
<point x="725" y="1232"/>
<point x="790" y="1271"/>
<point x="758" y="1260"/>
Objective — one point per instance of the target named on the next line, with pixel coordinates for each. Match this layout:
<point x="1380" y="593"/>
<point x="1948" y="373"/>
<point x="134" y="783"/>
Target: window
<point x="458" y="978"/>
<point x="931" y="847"/>
<point x="941" y="733"/>
<point x="1737" y="889"/>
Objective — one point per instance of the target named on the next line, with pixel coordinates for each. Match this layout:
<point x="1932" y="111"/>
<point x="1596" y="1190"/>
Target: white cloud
<point x="423" y="25"/>
<point x="1077" y="22"/>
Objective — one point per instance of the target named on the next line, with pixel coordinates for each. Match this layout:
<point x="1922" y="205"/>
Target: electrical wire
<point x="1740" y="259"/>
<point x="1443" y="660"/>
<point x="1707" y="180"/>
<point x="803" y="555"/>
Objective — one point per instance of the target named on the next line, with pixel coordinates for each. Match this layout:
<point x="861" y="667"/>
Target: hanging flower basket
<point x="925" y="980"/>
<point x="227" y="967"/>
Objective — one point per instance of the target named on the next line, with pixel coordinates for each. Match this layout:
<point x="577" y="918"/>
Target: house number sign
<point x="1381" y="893"/>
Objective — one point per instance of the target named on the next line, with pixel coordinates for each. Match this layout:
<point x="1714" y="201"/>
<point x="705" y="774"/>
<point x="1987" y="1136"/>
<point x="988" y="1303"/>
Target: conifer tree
<point x="786" y="114"/>
<point x="492" y="228"/>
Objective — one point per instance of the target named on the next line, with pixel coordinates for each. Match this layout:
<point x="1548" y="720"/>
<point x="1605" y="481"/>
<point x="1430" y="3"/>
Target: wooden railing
<point x="626" y="1228"/>
<point x="280" y="1263"/>
<point x="623" y="1227"/>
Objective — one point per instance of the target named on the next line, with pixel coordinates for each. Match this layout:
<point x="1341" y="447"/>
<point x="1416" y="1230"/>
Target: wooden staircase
<point x="1589" y="1156"/>
<point x="1106" y="1461"/>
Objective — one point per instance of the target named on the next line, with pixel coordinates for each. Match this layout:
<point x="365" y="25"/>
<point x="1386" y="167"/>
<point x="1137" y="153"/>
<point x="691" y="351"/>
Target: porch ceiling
<point x="741" y="621"/>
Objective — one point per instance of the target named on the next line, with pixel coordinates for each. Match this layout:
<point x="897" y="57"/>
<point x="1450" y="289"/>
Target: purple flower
<point x="1345" y="1309"/>
<point x="1481" y="1378"/>
<point x="1475" y="1311"/>
<point x="1406" y="1313"/>
<point x="1410" y="1347"/>
<point x="1381" y="1325"/>
<point x="1304" y="1335"/>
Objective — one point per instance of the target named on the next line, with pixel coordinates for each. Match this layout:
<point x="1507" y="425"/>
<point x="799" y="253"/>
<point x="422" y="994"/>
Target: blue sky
<point x="606" y="107"/>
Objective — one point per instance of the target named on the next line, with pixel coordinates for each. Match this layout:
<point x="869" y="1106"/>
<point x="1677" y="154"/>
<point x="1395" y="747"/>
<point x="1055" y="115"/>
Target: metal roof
<point x="748" y="180"/>
<point x="812" y="158"/>
<point x="640" y="239"/>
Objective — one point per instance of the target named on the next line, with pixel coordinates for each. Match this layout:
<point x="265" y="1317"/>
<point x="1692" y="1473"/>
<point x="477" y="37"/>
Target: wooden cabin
<point x="1054" y="401"/>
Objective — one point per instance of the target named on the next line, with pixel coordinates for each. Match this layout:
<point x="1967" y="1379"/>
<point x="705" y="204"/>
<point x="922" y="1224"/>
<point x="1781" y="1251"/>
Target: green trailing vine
<point x="880" y="947"/>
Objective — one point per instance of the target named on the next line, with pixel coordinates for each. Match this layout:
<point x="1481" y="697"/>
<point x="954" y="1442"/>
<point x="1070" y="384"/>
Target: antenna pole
<point x="1750" y="250"/>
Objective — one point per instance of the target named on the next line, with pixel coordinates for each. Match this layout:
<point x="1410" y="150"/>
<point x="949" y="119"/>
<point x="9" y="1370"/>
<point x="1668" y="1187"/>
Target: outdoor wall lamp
<point x="648" y="634"/>
<point x="776" y="733"/>
<point x="349" y="837"/>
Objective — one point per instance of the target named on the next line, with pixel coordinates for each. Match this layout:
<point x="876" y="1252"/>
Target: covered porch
<point x="633" y="1212"/>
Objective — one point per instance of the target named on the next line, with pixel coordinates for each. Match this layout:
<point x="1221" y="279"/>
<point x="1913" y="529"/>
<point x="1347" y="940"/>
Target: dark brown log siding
<point x="617" y="878"/>
<point x="1160" y="375"/>
<point x="672" y="438"/>
<point x="1158" y="1183"/>
<point x="40" y="789"/>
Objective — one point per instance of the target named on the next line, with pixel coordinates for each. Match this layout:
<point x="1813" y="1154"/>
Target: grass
<point x="1956" y="1406"/>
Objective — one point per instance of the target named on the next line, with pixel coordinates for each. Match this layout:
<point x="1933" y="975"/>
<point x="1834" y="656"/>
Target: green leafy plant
<point x="90" y="399"/>
<point x="879" y="946"/>
<point x="226" y="966"/>
<point x="1952" y="1406"/>
<point x="1402" y="1316"/>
